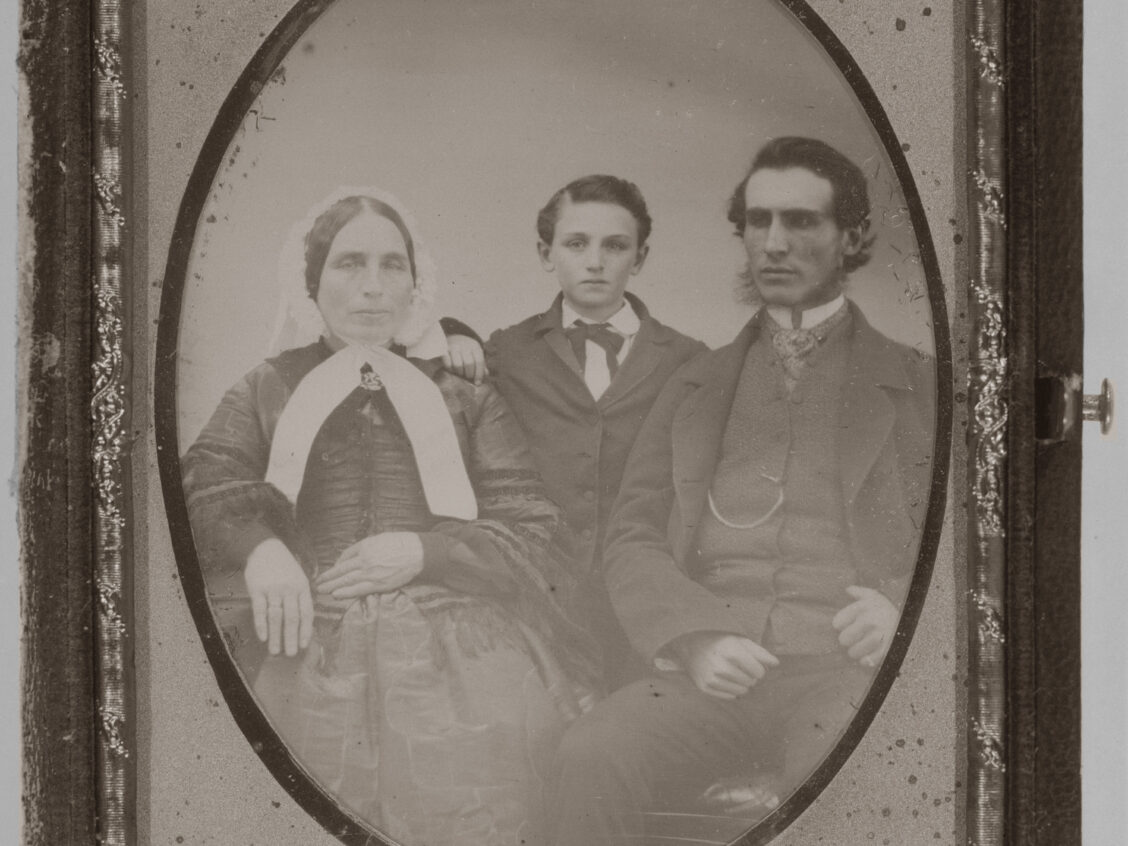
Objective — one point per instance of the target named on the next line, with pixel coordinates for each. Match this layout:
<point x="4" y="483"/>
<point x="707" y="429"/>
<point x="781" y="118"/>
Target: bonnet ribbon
<point x="416" y="399"/>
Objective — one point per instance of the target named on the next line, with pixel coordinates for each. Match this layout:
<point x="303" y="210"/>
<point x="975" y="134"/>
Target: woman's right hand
<point x="376" y="564"/>
<point x="280" y="597"/>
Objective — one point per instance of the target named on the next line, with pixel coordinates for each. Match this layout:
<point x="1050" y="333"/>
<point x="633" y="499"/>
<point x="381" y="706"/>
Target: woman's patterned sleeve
<point x="230" y="507"/>
<point x="519" y="548"/>
<point x="515" y="544"/>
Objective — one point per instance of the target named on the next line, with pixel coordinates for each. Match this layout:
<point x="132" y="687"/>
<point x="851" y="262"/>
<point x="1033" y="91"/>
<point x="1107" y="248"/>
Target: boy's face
<point x="594" y="253"/>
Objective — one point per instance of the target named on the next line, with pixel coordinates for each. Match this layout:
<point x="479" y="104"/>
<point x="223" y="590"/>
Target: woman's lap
<point x="433" y="732"/>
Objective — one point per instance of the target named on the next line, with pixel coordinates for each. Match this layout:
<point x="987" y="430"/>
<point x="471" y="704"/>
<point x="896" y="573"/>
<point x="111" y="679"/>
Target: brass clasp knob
<point x="1099" y="406"/>
<point x="1060" y="406"/>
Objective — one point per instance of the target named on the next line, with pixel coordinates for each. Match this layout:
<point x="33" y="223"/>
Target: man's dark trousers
<point x="658" y="743"/>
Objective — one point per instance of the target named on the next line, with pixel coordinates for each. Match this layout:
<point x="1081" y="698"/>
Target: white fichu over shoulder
<point x="417" y="400"/>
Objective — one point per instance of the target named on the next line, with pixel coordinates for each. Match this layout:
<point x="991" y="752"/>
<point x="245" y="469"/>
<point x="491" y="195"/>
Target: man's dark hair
<point x="848" y="185"/>
<point x="320" y="237"/>
<point x="597" y="188"/>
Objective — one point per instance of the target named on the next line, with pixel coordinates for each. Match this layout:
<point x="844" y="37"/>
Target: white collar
<point x="624" y="321"/>
<point x="811" y="317"/>
<point x="421" y="409"/>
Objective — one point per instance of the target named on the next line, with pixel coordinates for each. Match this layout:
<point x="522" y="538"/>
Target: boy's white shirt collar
<point x="624" y="321"/>
<point x="811" y="317"/>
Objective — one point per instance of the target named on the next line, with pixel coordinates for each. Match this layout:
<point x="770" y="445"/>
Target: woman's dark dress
<point x="431" y="712"/>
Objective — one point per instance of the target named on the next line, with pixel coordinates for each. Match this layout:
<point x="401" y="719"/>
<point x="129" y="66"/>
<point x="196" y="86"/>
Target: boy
<point x="582" y="376"/>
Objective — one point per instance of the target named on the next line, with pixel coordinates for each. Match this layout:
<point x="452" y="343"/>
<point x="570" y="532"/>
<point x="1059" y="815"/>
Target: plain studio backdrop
<point x="474" y="114"/>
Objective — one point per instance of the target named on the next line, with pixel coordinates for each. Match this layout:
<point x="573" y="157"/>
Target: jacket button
<point x="586" y="534"/>
<point x="589" y="495"/>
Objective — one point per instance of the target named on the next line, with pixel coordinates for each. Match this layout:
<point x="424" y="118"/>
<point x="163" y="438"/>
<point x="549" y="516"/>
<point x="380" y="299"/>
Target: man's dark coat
<point x="886" y="425"/>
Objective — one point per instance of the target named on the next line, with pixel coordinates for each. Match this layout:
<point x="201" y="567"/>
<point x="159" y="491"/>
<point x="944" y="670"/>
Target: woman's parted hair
<point x="325" y="228"/>
<point x="848" y="186"/>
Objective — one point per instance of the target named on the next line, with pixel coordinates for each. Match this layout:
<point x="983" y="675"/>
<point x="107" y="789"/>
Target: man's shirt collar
<point x="811" y="317"/>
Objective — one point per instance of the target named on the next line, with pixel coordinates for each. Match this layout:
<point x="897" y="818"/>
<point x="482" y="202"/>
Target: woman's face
<point x="365" y="290"/>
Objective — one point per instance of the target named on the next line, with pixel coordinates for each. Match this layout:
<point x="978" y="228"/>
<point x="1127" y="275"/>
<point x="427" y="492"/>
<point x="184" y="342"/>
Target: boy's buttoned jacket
<point x="580" y="444"/>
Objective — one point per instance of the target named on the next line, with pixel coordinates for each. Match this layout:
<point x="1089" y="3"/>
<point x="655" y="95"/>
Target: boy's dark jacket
<point x="580" y="444"/>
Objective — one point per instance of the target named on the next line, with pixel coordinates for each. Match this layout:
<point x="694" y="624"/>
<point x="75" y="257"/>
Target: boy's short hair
<point x="596" y="188"/>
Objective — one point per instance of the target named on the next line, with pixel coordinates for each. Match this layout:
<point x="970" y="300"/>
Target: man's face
<point x="795" y="246"/>
<point x="594" y="253"/>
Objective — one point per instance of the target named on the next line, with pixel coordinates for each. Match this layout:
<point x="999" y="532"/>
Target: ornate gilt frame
<point x="80" y="416"/>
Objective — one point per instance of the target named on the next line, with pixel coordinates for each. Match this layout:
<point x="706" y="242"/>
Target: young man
<point x="582" y="376"/>
<point x="766" y="531"/>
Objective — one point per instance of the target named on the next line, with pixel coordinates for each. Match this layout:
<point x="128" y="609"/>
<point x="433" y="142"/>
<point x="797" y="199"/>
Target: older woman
<point x="397" y="553"/>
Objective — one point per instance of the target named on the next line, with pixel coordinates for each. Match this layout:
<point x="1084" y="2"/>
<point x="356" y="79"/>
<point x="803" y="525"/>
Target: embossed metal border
<point x="110" y="414"/>
<point x="1025" y="301"/>
<point x="76" y="603"/>
<point x="987" y="424"/>
<point x="76" y="693"/>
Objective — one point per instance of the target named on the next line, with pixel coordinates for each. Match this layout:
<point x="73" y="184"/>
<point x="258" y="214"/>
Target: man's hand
<point x="723" y="665"/>
<point x="280" y="597"/>
<point x="465" y="358"/>
<point x="866" y="626"/>
<point x="378" y="564"/>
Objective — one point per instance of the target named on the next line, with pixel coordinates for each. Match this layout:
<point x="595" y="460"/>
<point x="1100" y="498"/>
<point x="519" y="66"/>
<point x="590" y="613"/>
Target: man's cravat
<point x="794" y="346"/>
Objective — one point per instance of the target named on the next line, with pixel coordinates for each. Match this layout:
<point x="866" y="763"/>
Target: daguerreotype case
<point x="234" y="419"/>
